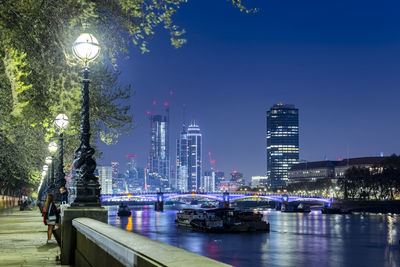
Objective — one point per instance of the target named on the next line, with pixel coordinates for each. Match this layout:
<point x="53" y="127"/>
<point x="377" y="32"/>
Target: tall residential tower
<point x="189" y="160"/>
<point x="159" y="168"/>
<point x="282" y="143"/>
<point x="182" y="157"/>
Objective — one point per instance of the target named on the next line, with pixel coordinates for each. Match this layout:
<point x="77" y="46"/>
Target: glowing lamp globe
<point x="48" y="160"/>
<point x="53" y="147"/>
<point x="86" y="47"/>
<point x="45" y="167"/>
<point x="61" y="121"/>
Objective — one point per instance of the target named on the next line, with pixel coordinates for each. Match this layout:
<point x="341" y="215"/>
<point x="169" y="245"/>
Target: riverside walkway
<point x="23" y="239"/>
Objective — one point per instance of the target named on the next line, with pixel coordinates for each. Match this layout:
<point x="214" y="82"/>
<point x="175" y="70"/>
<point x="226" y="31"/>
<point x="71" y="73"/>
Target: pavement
<point x="23" y="239"/>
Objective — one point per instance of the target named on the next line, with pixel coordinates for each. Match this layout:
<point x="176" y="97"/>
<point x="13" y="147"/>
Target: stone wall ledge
<point x="127" y="247"/>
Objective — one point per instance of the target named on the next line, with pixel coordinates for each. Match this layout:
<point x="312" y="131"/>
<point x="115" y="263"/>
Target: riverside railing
<point x="99" y="244"/>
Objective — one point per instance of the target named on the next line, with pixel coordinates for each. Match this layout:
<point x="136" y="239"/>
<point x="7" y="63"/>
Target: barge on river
<point x="221" y="220"/>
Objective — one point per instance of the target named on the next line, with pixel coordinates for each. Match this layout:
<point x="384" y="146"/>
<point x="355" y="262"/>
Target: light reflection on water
<point x="296" y="239"/>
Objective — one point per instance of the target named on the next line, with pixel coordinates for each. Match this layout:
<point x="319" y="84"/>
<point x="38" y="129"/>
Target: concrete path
<point x="23" y="240"/>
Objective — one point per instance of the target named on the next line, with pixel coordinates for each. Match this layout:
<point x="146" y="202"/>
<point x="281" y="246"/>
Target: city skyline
<point x="340" y="74"/>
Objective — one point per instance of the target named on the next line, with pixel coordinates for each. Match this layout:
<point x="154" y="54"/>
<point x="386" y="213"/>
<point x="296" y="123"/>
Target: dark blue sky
<point x="337" y="61"/>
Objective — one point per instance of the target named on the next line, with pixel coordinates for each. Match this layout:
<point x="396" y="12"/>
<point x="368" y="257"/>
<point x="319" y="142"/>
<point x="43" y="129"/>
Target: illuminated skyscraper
<point x="209" y="181"/>
<point x="159" y="168"/>
<point x="182" y="157"/>
<point x="117" y="182"/>
<point x="132" y="180"/>
<point x="194" y="158"/>
<point x="282" y="143"/>
<point x="105" y="179"/>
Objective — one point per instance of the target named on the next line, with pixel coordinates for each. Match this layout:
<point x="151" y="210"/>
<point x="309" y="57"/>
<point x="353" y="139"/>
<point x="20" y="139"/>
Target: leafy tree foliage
<point x="320" y="186"/>
<point x="380" y="182"/>
<point x="39" y="77"/>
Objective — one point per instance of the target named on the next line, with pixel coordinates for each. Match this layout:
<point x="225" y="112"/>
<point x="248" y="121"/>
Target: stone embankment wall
<point x="98" y="244"/>
<point x="374" y="206"/>
<point x="8" y="201"/>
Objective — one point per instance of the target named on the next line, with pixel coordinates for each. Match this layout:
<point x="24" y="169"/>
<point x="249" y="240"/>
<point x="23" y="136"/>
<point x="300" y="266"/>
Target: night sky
<point x="337" y="61"/>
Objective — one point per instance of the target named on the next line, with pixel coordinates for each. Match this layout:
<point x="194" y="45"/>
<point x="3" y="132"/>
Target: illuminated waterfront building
<point x="182" y="157"/>
<point x="209" y="181"/>
<point x="194" y="158"/>
<point x="188" y="160"/>
<point x="220" y="183"/>
<point x="237" y="179"/>
<point x="331" y="169"/>
<point x="116" y="180"/>
<point x="133" y="183"/>
<point x="259" y="181"/>
<point x="105" y="179"/>
<point x="282" y="143"/>
<point x="159" y="168"/>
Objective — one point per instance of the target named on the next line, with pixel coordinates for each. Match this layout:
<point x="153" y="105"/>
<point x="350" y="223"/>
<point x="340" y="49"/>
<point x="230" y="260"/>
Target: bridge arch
<point x="207" y="196"/>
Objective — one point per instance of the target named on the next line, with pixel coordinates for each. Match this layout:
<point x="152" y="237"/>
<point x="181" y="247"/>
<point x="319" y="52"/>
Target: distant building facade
<point x="105" y="179"/>
<point x="134" y="183"/>
<point x="312" y="171"/>
<point x="220" y="183"/>
<point x="364" y="162"/>
<point x="209" y="181"/>
<point x="117" y="182"/>
<point x="189" y="160"/>
<point x="237" y="179"/>
<point x="282" y="143"/>
<point x="194" y="137"/>
<point x="159" y="165"/>
<point x="259" y="181"/>
<point x="182" y="161"/>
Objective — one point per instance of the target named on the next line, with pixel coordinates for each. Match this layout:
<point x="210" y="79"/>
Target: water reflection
<point x="295" y="239"/>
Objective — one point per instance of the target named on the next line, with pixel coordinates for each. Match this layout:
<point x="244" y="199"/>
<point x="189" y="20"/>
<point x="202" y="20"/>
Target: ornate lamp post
<point x="42" y="186"/>
<point x="52" y="149"/>
<point x="86" y="188"/>
<point x="61" y="122"/>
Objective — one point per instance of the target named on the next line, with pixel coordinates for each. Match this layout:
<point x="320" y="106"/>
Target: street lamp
<point x="61" y="122"/>
<point x="52" y="149"/>
<point x="85" y="190"/>
<point x="42" y="185"/>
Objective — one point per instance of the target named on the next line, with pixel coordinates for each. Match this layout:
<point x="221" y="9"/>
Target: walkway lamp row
<point x="85" y="188"/>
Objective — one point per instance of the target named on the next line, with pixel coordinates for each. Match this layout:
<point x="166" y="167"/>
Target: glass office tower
<point x="182" y="157"/>
<point x="194" y="159"/>
<point x="282" y="143"/>
<point x="159" y="168"/>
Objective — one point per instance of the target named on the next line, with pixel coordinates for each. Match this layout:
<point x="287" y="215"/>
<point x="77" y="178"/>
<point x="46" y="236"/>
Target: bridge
<point x="221" y="197"/>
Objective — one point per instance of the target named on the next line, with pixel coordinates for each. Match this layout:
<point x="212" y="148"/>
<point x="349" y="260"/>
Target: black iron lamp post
<point x="42" y="186"/>
<point x="46" y="180"/>
<point x="52" y="186"/>
<point x="85" y="190"/>
<point x="61" y="122"/>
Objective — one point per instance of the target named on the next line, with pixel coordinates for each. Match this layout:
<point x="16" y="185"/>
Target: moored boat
<point x="335" y="211"/>
<point x="123" y="210"/>
<point x="293" y="208"/>
<point x="222" y="220"/>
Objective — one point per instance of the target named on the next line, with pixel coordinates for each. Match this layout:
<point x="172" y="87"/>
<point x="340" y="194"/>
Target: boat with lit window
<point x="293" y="208"/>
<point x="185" y="216"/>
<point x="222" y="220"/>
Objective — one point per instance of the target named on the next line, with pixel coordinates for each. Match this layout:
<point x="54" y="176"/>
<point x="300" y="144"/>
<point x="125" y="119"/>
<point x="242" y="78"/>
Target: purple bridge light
<point x="152" y="197"/>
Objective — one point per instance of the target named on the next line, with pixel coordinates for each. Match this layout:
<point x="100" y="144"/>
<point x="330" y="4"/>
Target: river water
<point x="295" y="239"/>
